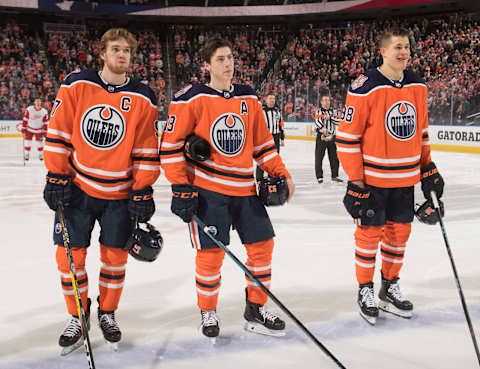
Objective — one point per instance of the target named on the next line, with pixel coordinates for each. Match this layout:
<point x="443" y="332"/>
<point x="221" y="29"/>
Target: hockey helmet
<point x="145" y="245"/>
<point x="273" y="191"/>
<point x="426" y="212"/>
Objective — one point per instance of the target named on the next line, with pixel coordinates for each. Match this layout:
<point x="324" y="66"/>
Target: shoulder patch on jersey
<point x="361" y="79"/>
<point x="182" y="91"/>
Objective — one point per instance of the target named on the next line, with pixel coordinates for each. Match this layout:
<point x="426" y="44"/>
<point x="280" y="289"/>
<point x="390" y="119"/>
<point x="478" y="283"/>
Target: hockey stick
<point x="457" y="280"/>
<point x="78" y="298"/>
<point x="206" y="230"/>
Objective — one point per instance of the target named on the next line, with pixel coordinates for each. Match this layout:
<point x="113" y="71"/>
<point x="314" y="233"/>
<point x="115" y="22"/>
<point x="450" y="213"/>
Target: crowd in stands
<point x="254" y="48"/>
<point x="76" y="51"/>
<point x="23" y="76"/>
<point x="445" y="52"/>
<point x="298" y="62"/>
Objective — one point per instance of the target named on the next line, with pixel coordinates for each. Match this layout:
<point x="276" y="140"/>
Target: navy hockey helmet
<point x="273" y="191"/>
<point x="426" y="212"/>
<point x="145" y="245"/>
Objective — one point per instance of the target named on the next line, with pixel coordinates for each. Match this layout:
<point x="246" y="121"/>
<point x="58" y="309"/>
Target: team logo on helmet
<point x="103" y="127"/>
<point x="228" y="134"/>
<point x="401" y="120"/>
<point x="58" y="228"/>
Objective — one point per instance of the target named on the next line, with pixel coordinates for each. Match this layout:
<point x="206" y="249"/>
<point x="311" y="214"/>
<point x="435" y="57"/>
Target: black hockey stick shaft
<point x="457" y="280"/>
<point x="78" y="298"/>
<point x="206" y="230"/>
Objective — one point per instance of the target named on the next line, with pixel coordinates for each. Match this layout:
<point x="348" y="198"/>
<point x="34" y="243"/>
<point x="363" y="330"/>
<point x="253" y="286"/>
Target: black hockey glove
<point x="431" y="180"/>
<point x="184" y="201"/>
<point x="141" y="205"/>
<point x="359" y="201"/>
<point x="58" y="188"/>
<point x="197" y="148"/>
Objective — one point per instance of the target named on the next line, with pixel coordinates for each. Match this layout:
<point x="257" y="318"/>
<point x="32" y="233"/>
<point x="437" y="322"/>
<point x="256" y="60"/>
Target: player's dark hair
<point x="387" y="35"/>
<point x="211" y="46"/>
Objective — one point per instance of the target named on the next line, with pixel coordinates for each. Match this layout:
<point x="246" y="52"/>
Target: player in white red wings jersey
<point x="34" y="125"/>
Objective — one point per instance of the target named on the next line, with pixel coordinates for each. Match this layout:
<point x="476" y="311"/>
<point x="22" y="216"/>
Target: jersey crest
<point x="227" y="134"/>
<point x="361" y="79"/>
<point x="103" y="127"/>
<point x="401" y="120"/>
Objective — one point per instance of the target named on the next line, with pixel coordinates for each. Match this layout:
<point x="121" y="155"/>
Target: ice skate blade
<point x="369" y="319"/>
<point x="258" y="328"/>
<point x="392" y="309"/>
<point x="69" y="349"/>
<point x="112" y="345"/>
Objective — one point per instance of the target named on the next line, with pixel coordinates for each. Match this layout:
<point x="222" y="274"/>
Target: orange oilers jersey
<point x="103" y="135"/>
<point x="234" y="124"/>
<point x="382" y="138"/>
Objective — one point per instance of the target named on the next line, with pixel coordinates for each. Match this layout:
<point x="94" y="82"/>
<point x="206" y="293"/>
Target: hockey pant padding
<point x="259" y="263"/>
<point x="28" y="140"/>
<point x="392" y="247"/>
<point x="63" y="265"/>
<point x="112" y="276"/>
<point x="207" y="277"/>
<point x="366" y="246"/>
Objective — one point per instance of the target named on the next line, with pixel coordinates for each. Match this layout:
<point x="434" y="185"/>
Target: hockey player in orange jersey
<point x="382" y="143"/>
<point x="101" y="153"/>
<point x="221" y="190"/>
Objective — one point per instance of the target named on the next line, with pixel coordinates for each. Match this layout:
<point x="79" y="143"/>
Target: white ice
<point x="313" y="275"/>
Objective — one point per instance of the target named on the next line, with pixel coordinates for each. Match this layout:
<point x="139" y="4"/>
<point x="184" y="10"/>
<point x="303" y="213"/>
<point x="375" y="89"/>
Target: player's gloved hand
<point x="58" y="188"/>
<point x="359" y="201"/>
<point x="431" y="180"/>
<point x="184" y="201"/>
<point x="197" y="148"/>
<point x="141" y="205"/>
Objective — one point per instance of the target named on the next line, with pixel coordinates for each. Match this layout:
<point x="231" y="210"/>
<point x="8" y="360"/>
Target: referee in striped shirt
<point x="273" y="116"/>
<point x="326" y="122"/>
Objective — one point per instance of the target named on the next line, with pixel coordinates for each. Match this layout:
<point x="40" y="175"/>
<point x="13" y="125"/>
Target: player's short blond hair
<point x="113" y="34"/>
<point x="387" y="35"/>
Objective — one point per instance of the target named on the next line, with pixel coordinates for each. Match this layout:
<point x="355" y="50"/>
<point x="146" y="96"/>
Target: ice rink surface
<point x="313" y="275"/>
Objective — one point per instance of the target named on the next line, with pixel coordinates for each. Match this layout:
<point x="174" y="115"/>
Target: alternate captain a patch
<point x="361" y="79"/>
<point x="228" y="134"/>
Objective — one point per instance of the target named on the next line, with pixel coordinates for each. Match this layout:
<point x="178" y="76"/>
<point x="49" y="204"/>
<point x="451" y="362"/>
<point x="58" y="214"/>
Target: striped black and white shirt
<point x="274" y="120"/>
<point x="327" y="118"/>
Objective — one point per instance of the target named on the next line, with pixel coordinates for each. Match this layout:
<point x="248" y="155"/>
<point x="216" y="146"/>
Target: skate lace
<point x="108" y="322"/>
<point x="394" y="290"/>
<point x="367" y="296"/>
<point x="209" y="318"/>
<point x="73" y="327"/>
<point x="267" y="315"/>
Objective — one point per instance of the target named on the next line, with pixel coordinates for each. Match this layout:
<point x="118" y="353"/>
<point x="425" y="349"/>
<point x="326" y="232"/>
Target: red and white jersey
<point x="35" y="121"/>
<point x="234" y="124"/>
<point x="383" y="136"/>
<point x="104" y="135"/>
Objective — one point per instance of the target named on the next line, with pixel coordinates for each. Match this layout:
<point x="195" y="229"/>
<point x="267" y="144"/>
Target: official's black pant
<point x="276" y="139"/>
<point x="320" y="147"/>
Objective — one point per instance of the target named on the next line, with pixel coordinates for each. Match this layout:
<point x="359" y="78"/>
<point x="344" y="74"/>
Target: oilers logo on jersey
<point x="228" y="134"/>
<point x="401" y="120"/>
<point x="103" y="127"/>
